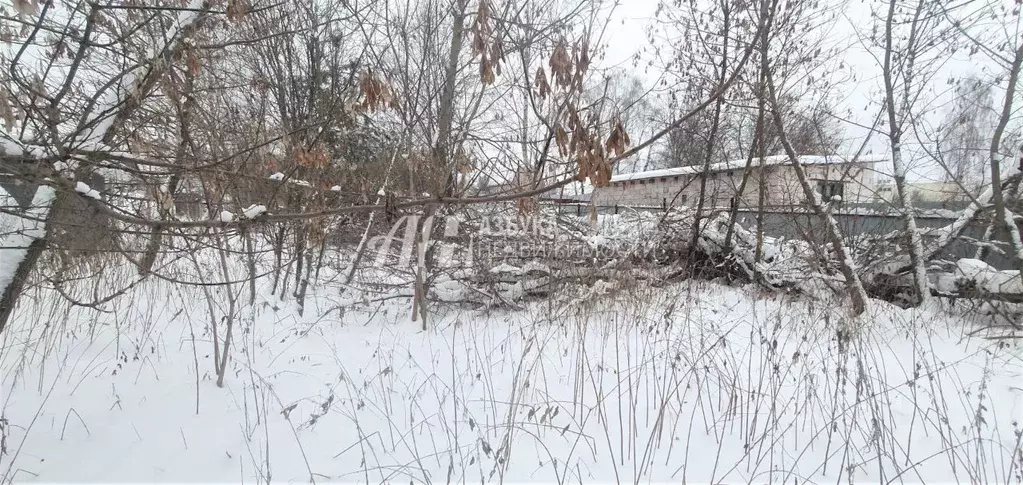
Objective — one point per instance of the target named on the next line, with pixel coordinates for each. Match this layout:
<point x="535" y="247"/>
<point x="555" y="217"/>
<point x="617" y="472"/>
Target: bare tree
<point x="898" y="103"/>
<point x="1007" y="53"/>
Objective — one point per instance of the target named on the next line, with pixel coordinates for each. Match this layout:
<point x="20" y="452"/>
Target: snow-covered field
<point x="694" y="381"/>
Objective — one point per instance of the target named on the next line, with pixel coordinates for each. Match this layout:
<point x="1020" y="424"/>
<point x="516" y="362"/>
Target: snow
<point x="381" y="192"/>
<point x="67" y="167"/>
<point x="506" y="269"/>
<point x="691" y="382"/>
<point x="336" y="188"/>
<point x="987" y="278"/>
<point x="595" y="241"/>
<point x="739" y="164"/>
<point x="974" y="273"/>
<point x="533" y="266"/>
<point x="971" y="268"/>
<point x="10" y="147"/>
<point x="450" y="290"/>
<point x="226" y="216"/>
<point x="253" y="211"/>
<point x="278" y="177"/>
<point x="84" y="189"/>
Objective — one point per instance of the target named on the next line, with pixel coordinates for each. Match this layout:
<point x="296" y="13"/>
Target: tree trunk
<point x="46" y="200"/>
<point x="852" y="280"/>
<point x="231" y="305"/>
<point x="712" y="136"/>
<point x="278" y="242"/>
<point x="250" y="256"/>
<point x="128" y="106"/>
<point x="916" y="249"/>
<point x="1002" y="215"/>
<point x="442" y="149"/>
<point x="755" y="148"/>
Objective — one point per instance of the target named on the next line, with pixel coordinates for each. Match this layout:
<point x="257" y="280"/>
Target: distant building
<point x="926" y="193"/>
<point x="853" y="181"/>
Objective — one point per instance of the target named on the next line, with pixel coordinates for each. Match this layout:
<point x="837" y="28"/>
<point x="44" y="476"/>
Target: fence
<point x="854" y="221"/>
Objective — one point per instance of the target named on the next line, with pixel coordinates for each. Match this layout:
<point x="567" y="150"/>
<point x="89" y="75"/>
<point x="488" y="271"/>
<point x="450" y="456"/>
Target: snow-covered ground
<point x="694" y="381"/>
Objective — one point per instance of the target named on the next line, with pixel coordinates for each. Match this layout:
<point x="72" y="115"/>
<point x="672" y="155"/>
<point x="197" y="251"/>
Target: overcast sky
<point x="627" y="35"/>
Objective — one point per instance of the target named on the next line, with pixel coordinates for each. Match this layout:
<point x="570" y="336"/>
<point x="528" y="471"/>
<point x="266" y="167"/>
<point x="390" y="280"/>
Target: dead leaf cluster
<point x="376" y="92"/>
<point x="6" y="110"/>
<point x="593" y="159"/>
<point x="315" y="158"/>
<point x="485" y="44"/>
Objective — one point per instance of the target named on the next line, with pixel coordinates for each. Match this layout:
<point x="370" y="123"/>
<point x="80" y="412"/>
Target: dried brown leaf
<point x="561" y="137"/>
<point x="193" y="64"/>
<point x="486" y="71"/>
<point x="6" y="110"/>
<point x="541" y="85"/>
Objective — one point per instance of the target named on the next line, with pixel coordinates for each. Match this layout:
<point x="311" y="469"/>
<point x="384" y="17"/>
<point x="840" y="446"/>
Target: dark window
<point x="676" y="178"/>
<point x="664" y="179"/>
<point x="830" y="189"/>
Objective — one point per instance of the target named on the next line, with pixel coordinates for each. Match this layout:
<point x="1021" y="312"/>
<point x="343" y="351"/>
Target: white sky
<point x="627" y="35"/>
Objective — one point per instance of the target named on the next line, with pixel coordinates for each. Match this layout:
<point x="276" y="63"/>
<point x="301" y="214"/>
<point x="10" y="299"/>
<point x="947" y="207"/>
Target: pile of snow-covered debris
<point x="975" y="276"/>
<point x="527" y="257"/>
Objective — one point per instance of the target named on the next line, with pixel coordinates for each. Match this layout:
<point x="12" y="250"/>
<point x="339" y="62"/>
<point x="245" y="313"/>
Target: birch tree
<point x="1003" y="49"/>
<point x="900" y="73"/>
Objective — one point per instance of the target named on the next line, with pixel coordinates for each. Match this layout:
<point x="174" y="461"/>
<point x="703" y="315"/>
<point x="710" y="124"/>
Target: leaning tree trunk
<point x="128" y="103"/>
<point x="1002" y="214"/>
<point x="852" y="280"/>
<point x="40" y="209"/>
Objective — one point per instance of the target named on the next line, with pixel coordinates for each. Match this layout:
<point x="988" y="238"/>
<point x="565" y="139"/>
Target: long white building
<point x="855" y="181"/>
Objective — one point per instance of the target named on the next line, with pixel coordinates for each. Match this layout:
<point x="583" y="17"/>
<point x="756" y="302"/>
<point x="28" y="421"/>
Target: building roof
<point x="739" y="164"/>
